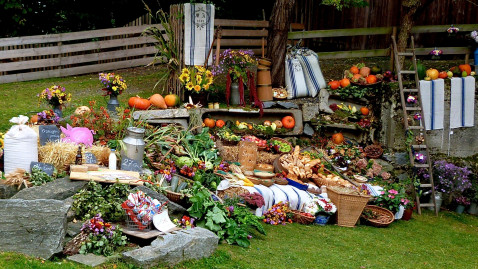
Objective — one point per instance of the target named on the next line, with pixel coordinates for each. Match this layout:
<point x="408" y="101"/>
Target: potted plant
<point x="321" y="208"/>
<point x="114" y="85"/>
<point x="55" y="96"/>
<point x="197" y="80"/>
<point x="391" y="199"/>
<point x="236" y="63"/>
<point x="451" y="180"/>
<point x="462" y="202"/>
<point x="474" y="198"/>
<point x="408" y="204"/>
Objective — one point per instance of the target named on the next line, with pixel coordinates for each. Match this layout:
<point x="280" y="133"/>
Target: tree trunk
<point x="277" y="39"/>
<point x="406" y="25"/>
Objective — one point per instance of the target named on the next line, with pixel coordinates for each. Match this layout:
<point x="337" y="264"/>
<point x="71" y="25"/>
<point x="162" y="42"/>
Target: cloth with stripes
<point x="462" y="102"/>
<point x="303" y="75"/>
<point x="198" y="33"/>
<point x="433" y="101"/>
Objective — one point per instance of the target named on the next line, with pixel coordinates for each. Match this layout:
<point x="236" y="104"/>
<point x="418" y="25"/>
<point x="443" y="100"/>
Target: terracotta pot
<point x="407" y="215"/>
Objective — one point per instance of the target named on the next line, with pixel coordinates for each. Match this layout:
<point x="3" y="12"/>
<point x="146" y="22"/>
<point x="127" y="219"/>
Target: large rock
<point x="171" y="249"/>
<point x="36" y="227"/>
<point x="89" y="259"/>
<point x="173" y="208"/>
<point x="7" y="191"/>
<point x="58" y="189"/>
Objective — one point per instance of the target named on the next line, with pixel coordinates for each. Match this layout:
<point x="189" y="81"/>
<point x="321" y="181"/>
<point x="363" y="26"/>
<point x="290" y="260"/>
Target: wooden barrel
<point x="264" y="92"/>
<point x="263" y="75"/>
<point x="265" y="62"/>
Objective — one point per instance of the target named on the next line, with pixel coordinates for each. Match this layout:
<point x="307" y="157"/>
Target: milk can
<point x="133" y="144"/>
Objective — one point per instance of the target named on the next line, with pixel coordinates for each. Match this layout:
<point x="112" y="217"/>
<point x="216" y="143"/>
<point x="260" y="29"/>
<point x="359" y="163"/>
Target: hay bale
<point x="60" y="154"/>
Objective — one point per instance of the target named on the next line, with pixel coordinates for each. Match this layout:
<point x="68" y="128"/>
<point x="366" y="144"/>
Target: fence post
<point x="394" y="34"/>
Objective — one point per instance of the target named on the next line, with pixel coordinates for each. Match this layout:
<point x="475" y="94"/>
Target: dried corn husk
<point x="18" y="178"/>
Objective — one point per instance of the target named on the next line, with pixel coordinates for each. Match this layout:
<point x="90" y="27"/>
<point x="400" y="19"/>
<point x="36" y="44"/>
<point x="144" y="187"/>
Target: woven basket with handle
<point x="349" y="206"/>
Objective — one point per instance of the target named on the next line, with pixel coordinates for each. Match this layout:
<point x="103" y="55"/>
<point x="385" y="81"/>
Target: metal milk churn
<point x="133" y="144"/>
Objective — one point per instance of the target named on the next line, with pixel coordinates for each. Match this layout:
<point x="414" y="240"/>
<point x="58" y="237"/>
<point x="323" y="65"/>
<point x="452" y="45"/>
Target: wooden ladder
<point x="416" y="108"/>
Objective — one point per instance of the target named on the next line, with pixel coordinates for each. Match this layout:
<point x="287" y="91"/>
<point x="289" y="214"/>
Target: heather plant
<point x="450" y="179"/>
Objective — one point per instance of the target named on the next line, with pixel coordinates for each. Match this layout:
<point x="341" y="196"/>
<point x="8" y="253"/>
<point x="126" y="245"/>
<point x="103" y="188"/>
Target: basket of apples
<point x="361" y="75"/>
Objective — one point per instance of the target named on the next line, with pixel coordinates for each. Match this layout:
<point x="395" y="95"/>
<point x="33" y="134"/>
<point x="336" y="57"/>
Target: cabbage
<point x="182" y="161"/>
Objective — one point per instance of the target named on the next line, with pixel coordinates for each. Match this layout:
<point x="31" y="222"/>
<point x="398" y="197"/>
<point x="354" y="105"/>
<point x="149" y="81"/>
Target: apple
<point x="450" y="74"/>
<point x="267" y="123"/>
<point x="278" y="123"/>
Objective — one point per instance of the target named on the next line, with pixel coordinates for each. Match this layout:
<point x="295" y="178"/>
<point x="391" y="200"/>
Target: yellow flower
<point x="198" y="79"/>
<point x="206" y="87"/>
<point x="201" y="69"/>
<point x="1" y="143"/>
<point x="185" y="71"/>
<point x="184" y="78"/>
<point x="189" y="86"/>
<point x="197" y="88"/>
<point x="115" y="88"/>
<point x="210" y="80"/>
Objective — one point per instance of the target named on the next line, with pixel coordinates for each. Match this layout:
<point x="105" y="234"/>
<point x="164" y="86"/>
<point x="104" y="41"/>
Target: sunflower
<point x="189" y="86"/>
<point x="198" y="78"/>
<point x="197" y="88"/>
<point x="210" y="80"/>
<point x="209" y="74"/>
<point x="201" y="69"/>
<point x="206" y="87"/>
<point x="185" y="71"/>
<point x="1" y="143"/>
<point x="184" y="78"/>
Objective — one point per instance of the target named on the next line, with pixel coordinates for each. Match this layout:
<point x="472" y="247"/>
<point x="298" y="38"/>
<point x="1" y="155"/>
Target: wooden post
<point x="177" y="26"/>
<point x="394" y="34"/>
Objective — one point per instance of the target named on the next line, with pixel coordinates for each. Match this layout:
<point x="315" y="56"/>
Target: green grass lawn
<point x="446" y="241"/>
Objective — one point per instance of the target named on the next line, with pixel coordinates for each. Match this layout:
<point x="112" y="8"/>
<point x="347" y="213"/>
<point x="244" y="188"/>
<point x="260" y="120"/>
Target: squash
<point x="171" y="100"/>
<point x="338" y="138"/>
<point x="181" y="186"/>
<point x="442" y="74"/>
<point x="354" y="69"/>
<point x="345" y="82"/>
<point x="364" y="110"/>
<point x="288" y="122"/>
<point x="34" y="118"/>
<point x="371" y="79"/>
<point x="364" y="71"/>
<point x="158" y="101"/>
<point x="209" y="122"/>
<point x="220" y="123"/>
<point x="465" y="67"/>
<point x="432" y="73"/>
<point x="174" y="183"/>
<point x="139" y="103"/>
<point x="421" y="70"/>
<point x="334" y="85"/>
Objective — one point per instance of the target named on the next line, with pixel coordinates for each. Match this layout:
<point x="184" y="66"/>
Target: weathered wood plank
<point x="39" y="39"/>
<point x="241" y="42"/>
<point x="353" y="54"/>
<point x="92" y="57"/>
<point x="229" y="32"/>
<point x="11" y="54"/>
<point x="75" y="70"/>
<point x="341" y="32"/>
<point x="421" y="29"/>
<point x="240" y="23"/>
<point x="446" y="50"/>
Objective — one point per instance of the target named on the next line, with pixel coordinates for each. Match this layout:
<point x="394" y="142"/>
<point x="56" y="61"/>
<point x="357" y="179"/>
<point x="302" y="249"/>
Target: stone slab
<point x="171" y="249"/>
<point x="33" y="227"/>
<point x="182" y="122"/>
<point x="7" y="191"/>
<point x="310" y="111"/>
<point x="161" y="114"/>
<point x="58" y="189"/>
<point x="89" y="259"/>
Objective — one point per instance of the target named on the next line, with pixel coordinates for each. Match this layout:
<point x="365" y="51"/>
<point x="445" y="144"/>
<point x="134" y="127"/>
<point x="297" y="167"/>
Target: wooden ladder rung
<point x="407" y="72"/>
<point x="415" y="108"/>
<point x="410" y="90"/>
<point x="405" y="54"/>
<point x="426" y="185"/>
<point x="427" y="205"/>
<point x="415" y="127"/>
<point x="421" y="165"/>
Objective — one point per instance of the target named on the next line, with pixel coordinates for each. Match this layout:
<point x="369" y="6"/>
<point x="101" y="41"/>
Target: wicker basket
<point x="373" y="151"/>
<point x="174" y="196"/>
<point x="349" y="206"/>
<point x="260" y="181"/>
<point x="385" y="216"/>
<point x="283" y="141"/>
<point x="301" y="219"/>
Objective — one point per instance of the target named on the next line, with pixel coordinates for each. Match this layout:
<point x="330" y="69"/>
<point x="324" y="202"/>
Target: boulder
<point x="174" y="209"/>
<point x="59" y="189"/>
<point x="33" y="227"/>
<point x="7" y="191"/>
<point x="89" y="259"/>
<point x="174" y="248"/>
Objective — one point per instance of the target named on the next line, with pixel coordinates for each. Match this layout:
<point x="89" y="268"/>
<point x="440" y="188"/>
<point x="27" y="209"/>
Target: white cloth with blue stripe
<point x="294" y="78"/>
<point x="311" y="69"/>
<point x="462" y="102"/>
<point x="433" y="101"/>
<point x="198" y="33"/>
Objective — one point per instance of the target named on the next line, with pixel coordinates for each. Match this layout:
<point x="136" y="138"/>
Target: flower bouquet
<point x="102" y="237"/>
<point x="55" y="95"/>
<point x="278" y="214"/>
<point x="114" y="85"/>
<point x="198" y="81"/>
<point x="47" y="116"/>
<point x="391" y="199"/>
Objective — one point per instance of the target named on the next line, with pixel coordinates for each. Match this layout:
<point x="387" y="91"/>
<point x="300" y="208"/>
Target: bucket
<point x="264" y="92"/>
<point x="263" y="75"/>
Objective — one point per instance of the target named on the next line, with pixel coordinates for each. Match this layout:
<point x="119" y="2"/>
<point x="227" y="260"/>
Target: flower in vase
<point x="436" y="52"/>
<point x="411" y="99"/>
<point x="452" y="29"/>
<point x="419" y="157"/>
<point x="417" y="116"/>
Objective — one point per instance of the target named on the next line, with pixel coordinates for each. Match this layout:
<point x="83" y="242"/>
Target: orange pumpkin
<point x="171" y="100"/>
<point x="442" y="74"/>
<point x="334" y="85"/>
<point x="139" y="103"/>
<point x="371" y="79"/>
<point x="465" y="67"/>
<point x="338" y="138"/>
<point x="432" y="73"/>
<point x="288" y="122"/>
<point x="158" y="101"/>
<point x="209" y="122"/>
<point x="220" y="123"/>
<point x="34" y="119"/>
<point x="364" y="111"/>
<point x="345" y="82"/>
<point x="365" y="71"/>
<point x="354" y="70"/>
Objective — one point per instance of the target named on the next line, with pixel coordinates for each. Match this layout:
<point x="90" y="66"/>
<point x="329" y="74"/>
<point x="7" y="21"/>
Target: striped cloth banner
<point x="462" y="102"/>
<point x="433" y="101"/>
<point x="198" y="33"/>
<point x="311" y="69"/>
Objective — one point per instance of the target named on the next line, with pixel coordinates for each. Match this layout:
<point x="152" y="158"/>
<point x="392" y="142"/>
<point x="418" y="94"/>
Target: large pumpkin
<point x="345" y="82"/>
<point x="158" y="101"/>
<point x="209" y="122"/>
<point x="334" y="85"/>
<point x="338" y="138"/>
<point x="465" y="67"/>
<point x="432" y="73"/>
<point x="139" y="103"/>
<point x="171" y="100"/>
<point x="288" y="122"/>
<point x="371" y="79"/>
